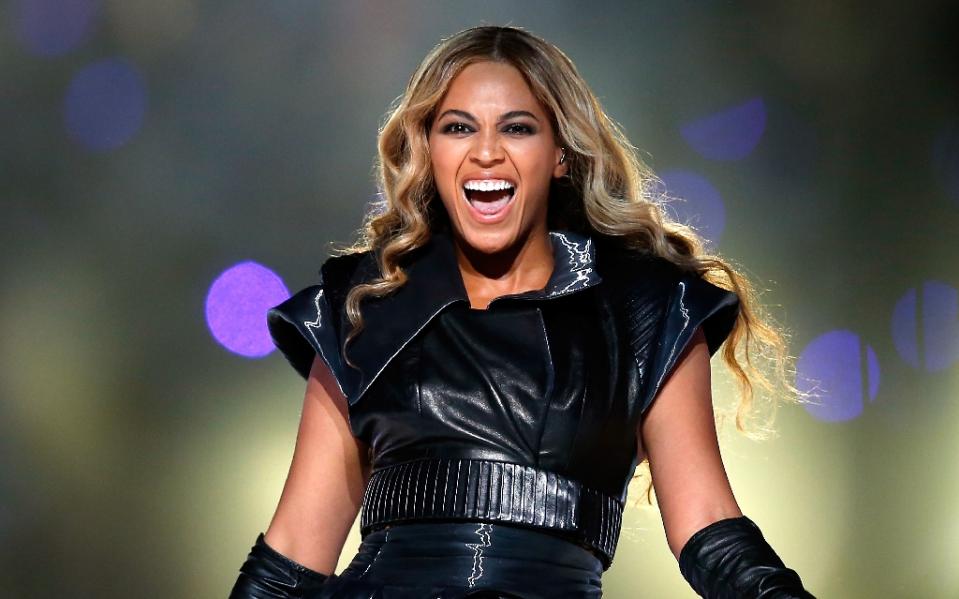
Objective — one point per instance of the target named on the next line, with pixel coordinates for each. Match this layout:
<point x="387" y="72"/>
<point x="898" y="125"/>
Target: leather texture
<point x="554" y="380"/>
<point x="459" y="560"/>
<point x="730" y="559"/>
<point x="492" y="491"/>
<point x="268" y="574"/>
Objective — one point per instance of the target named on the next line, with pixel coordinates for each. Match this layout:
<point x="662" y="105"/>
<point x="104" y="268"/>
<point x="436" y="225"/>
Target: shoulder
<point x="630" y="274"/>
<point x="640" y="273"/>
<point x="661" y="305"/>
<point x="339" y="274"/>
<point x="342" y="269"/>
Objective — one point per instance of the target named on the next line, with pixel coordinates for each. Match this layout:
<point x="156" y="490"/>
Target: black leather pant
<point x="446" y="560"/>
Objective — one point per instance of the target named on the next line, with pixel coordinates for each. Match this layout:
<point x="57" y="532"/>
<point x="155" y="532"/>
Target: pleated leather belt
<point x="490" y="491"/>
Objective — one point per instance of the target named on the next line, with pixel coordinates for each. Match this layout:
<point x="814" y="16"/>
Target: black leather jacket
<point x="524" y="412"/>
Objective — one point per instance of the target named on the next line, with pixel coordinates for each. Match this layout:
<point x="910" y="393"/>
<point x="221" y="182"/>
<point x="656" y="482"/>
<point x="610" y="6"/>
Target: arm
<point x="324" y="489"/>
<point x="320" y="500"/>
<point x="721" y="553"/>
<point x="678" y="433"/>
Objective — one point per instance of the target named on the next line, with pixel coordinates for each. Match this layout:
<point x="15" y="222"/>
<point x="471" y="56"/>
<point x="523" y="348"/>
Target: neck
<point x="524" y="266"/>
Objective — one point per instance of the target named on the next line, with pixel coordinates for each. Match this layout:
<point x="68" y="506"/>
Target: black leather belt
<point x="490" y="491"/>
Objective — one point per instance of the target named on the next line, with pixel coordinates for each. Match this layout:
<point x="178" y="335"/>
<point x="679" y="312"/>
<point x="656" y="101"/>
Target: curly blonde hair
<point x="609" y="191"/>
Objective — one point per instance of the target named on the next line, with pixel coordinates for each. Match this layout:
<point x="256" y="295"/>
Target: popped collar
<point x="435" y="283"/>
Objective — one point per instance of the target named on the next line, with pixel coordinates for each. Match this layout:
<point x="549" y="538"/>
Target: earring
<point x="562" y="158"/>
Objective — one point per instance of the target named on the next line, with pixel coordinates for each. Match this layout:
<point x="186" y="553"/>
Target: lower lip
<point x="490" y="218"/>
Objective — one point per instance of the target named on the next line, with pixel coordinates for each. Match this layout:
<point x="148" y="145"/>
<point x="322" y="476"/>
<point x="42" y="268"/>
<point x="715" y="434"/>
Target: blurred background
<point x="169" y="170"/>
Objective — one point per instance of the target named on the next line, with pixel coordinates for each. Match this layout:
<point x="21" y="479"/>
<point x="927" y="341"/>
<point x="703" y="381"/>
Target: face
<point x="491" y="129"/>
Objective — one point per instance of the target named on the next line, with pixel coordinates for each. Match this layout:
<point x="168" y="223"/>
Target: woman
<point x="520" y="327"/>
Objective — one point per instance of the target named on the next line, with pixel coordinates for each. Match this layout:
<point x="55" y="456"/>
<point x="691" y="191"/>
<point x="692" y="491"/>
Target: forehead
<point x="491" y="83"/>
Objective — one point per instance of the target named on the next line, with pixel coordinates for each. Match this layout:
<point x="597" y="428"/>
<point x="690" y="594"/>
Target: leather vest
<point x="525" y="412"/>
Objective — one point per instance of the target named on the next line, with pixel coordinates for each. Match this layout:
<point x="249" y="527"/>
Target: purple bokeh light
<point x="236" y="307"/>
<point x="105" y="104"/>
<point x="730" y="134"/>
<point x="52" y="28"/>
<point x="937" y="320"/>
<point x="831" y="369"/>
<point x="699" y="205"/>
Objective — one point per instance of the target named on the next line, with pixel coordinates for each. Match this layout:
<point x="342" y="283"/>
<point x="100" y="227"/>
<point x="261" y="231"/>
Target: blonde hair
<point x="609" y="191"/>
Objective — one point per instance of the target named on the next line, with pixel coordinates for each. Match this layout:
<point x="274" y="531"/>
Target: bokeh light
<point x="729" y="134"/>
<point x="695" y="202"/>
<point x="831" y="368"/>
<point x="236" y="307"/>
<point x="105" y="104"/>
<point x="53" y="27"/>
<point x="927" y="335"/>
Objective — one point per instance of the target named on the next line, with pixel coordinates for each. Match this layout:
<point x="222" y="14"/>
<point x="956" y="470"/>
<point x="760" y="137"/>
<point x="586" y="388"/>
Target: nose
<point x="486" y="147"/>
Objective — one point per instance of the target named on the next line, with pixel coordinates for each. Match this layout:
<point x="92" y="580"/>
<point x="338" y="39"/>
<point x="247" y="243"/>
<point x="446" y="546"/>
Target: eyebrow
<point x="512" y="114"/>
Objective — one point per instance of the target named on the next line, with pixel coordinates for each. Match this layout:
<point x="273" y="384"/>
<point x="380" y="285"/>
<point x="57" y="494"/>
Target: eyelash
<point x="526" y="128"/>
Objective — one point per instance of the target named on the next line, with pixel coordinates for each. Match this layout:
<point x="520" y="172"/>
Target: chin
<point x="490" y="240"/>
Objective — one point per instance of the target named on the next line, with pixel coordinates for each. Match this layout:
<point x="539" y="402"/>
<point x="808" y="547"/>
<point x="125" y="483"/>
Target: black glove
<point x="266" y="573"/>
<point x="730" y="559"/>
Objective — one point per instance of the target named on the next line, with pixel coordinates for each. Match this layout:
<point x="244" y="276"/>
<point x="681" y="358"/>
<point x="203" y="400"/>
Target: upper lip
<point x="484" y="176"/>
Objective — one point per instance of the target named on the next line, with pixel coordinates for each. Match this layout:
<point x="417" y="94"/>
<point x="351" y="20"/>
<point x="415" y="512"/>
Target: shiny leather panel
<point x="458" y="560"/>
<point x="489" y="491"/>
<point x="299" y="327"/>
<point x="694" y="302"/>
<point x="475" y="383"/>
<point x="509" y="384"/>
<point x="309" y="323"/>
<point x="555" y="379"/>
<point x="434" y="284"/>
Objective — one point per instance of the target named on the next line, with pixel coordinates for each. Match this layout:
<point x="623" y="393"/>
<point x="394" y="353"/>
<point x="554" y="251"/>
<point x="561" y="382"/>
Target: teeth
<point x="487" y="185"/>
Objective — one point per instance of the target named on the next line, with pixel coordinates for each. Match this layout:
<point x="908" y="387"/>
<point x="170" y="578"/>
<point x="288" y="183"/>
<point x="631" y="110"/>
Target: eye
<point x="451" y="128"/>
<point x="519" y="128"/>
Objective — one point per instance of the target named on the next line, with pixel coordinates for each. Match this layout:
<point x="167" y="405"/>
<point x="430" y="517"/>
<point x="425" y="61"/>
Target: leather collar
<point x="435" y="282"/>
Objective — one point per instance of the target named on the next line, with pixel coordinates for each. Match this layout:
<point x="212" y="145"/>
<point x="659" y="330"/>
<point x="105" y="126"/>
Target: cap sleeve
<point x="304" y="326"/>
<point x="694" y="302"/>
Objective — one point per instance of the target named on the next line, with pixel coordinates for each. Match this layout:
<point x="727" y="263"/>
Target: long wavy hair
<point x="609" y="191"/>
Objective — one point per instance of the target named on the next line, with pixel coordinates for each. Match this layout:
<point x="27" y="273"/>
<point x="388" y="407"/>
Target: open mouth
<point x="489" y="202"/>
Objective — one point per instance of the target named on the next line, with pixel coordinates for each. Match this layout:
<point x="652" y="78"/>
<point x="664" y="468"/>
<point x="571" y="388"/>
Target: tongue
<point x="489" y="202"/>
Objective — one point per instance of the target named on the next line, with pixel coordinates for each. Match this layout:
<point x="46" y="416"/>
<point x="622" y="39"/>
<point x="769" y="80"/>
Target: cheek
<point x="536" y="160"/>
<point x="445" y="163"/>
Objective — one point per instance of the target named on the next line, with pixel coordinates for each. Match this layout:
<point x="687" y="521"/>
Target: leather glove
<point x="730" y="559"/>
<point x="268" y="574"/>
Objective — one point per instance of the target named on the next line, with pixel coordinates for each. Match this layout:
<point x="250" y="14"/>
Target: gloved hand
<point x="268" y="574"/>
<point x="730" y="559"/>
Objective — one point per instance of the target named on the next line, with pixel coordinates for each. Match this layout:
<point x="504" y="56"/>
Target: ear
<point x="560" y="169"/>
